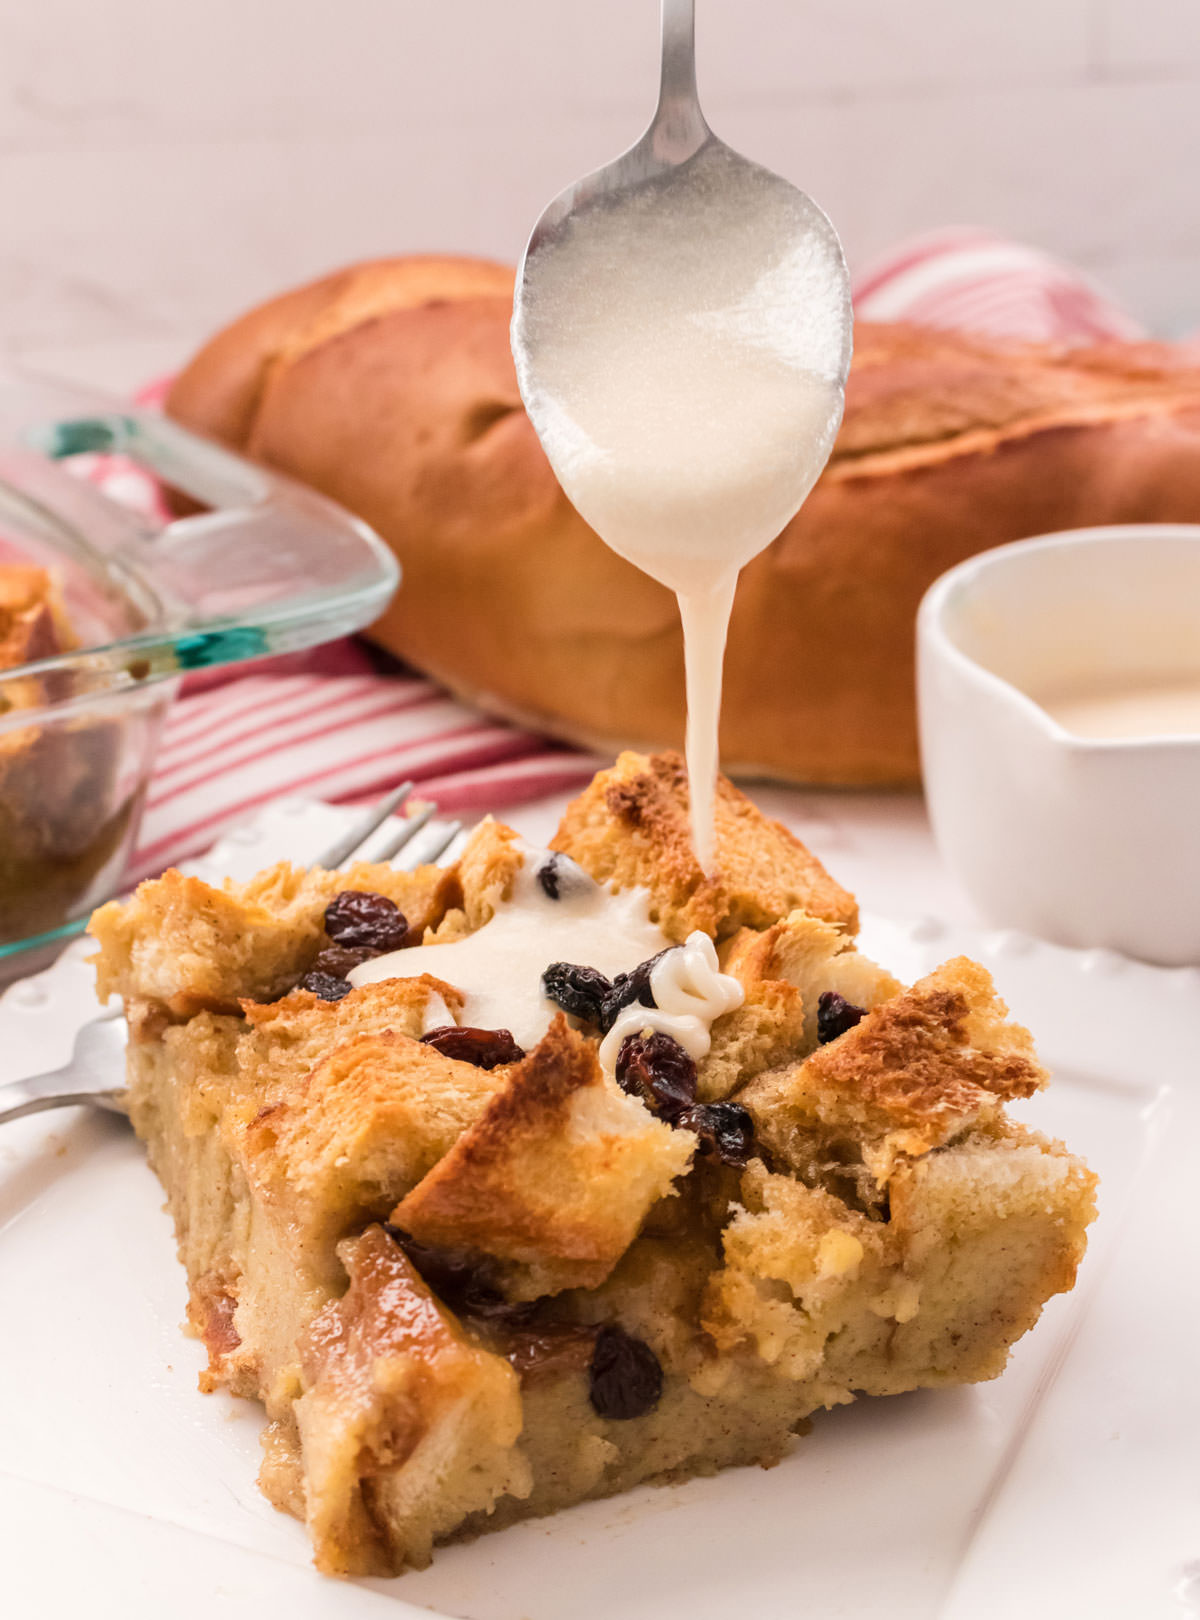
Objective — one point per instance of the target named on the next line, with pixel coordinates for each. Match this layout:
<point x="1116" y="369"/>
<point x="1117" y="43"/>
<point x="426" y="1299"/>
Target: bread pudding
<point x="492" y="1225"/>
<point x="58" y="827"/>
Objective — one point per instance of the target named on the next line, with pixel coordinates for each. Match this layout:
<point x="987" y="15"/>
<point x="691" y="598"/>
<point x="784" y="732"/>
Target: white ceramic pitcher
<point x="1089" y="842"/>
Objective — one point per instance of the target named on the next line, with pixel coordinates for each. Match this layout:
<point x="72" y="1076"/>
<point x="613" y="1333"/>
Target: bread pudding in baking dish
<point x="523" y="1181"/>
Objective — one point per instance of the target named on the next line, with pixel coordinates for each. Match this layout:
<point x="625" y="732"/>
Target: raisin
<point x="461" y="1278"/>
<point x="485" y="1048"/>
<point x="656" y="1068"/>
<point x="359" y="919"/>
<point x="580" y="991"/>
<point x="835" y="1015"/>
<point x="338" y="961"/>
<point x="628" y="988"/>
<point x="625" y="1377"/>
<point x="559" y="875"/>
<point x="326" y="985"/>
<point x="536" y="1348"/>
<point x="725" y="1131"/>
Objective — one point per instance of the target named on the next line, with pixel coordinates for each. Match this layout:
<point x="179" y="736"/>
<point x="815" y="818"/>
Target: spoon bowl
<point x="682" y="333"/>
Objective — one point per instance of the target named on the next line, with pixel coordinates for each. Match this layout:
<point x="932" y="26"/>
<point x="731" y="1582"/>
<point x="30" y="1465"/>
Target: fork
<point x="95" y="1073"/>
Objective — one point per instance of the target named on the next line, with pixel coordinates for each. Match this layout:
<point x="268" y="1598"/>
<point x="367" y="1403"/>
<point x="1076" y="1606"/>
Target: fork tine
<point x="410" y="829"/>
<point x="445" y="834"/>
<point x="340" y="852"/>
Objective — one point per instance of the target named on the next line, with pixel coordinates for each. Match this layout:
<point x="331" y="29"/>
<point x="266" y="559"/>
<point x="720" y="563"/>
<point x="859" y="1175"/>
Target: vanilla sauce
<point x="499" y="967"/>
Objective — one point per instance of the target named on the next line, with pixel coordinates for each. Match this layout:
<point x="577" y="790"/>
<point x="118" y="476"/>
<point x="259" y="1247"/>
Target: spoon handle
<point x="679" y="128"/>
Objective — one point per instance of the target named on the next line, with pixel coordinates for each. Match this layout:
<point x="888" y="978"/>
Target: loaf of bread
<point x="390" y="387"/>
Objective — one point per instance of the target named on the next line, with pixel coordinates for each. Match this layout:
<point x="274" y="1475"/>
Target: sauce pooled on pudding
<point x="556" y="912"/>
<point x="680" y="350"/>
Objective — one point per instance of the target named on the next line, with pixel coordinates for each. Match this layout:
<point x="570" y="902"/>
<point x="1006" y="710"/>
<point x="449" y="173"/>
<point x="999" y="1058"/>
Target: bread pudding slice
<point x="713" y="1172"/>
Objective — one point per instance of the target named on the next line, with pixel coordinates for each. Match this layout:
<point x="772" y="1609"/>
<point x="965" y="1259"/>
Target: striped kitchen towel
<point x="339" y="724"/>
<point x="976" y="281"/>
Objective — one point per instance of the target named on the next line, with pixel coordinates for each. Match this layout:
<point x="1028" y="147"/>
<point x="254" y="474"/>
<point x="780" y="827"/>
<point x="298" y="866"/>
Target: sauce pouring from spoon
<point x="682" y="334"/>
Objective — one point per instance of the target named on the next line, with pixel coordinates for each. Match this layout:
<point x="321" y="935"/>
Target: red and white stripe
<point x="226" y="752"/>
<point x="976" y="281"/>
<point x="331" y="724"/>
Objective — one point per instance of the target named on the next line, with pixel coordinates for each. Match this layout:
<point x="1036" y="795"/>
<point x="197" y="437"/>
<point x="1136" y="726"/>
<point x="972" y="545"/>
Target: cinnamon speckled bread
<point x="471" y="1282"/>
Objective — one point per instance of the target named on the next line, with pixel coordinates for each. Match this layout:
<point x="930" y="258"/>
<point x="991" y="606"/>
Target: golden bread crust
<point x="918" y="1070"/>
<point x="630" y="828"/>
<point x="185" y="946"/>
<point x="555" y="1176"/>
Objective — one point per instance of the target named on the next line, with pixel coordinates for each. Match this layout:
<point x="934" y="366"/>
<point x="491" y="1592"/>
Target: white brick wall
<point x="163" y="163"/>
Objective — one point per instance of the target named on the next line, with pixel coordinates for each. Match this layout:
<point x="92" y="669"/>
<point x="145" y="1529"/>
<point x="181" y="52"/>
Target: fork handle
<point x="55" y="1090"/>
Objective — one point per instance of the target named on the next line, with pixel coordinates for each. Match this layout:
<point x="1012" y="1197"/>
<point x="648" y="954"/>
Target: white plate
<point x="1069" y="1487"/>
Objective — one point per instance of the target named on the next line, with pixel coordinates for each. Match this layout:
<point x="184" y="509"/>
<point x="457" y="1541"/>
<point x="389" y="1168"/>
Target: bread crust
<point x="630" y="827"/>
<point x="390" y="386"/>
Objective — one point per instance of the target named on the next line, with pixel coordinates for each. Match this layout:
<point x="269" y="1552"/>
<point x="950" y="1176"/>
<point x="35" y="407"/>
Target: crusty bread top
<point x="555" y="1176"/>
<point x="915" y="393"/>
<point x="919" y="1069"/>
<point x="629" y="827"/>
<point x="183" y="945"/>
<point x="220" y="390"/>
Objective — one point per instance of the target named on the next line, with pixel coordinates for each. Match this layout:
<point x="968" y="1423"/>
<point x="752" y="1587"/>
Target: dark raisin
<point x="461" y="1278"/>
<point x="628" y="988"/>
<point x="485" y="1048"/>
<point x="624" y="1375"/>
<point x="338" y="961"/>
<point x="326" y="985"/>
<point x="656" y="1068"/>
<point x="580" y="991"/>
<point x="357" y="918"/>
<point x="559" y="875"/>
<point x="725" y="1131"/>
<point x="835" y="1015"/>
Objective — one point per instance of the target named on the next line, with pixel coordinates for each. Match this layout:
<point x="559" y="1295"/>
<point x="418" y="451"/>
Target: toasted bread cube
<point x="405" y="1425"/>
<point x="629" y="828"/>
<point x="556" y="1175"/>
<point x="916" y="1071"/>
<point x="185" y="947"/>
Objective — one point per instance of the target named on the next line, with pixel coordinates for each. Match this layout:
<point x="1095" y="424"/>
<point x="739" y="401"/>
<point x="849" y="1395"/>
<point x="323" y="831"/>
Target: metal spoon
<point x="678" y="132"/>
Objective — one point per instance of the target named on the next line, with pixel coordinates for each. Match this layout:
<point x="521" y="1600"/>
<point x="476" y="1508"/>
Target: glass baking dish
<point x="262" y="565"/>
